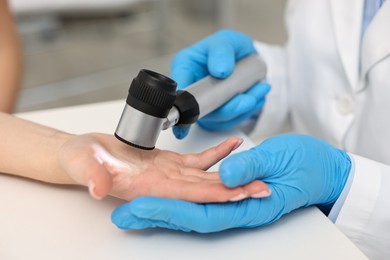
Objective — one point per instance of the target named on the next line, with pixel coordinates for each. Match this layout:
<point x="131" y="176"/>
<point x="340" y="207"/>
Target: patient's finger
<point x="202" y="192"/>
<point x="201" y="174"/>
<point x="205" y="191"/>
<point x="199" y="192"/>
<point x="99" y="180"/>
<point x="257" y="189"/>
<point x="211" y="156"/>
<point x="196" y="175"/>
<point x="92" y="173"/>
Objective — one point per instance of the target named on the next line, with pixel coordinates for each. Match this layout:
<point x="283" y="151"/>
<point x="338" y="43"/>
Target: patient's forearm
<point x="30" y="150"/>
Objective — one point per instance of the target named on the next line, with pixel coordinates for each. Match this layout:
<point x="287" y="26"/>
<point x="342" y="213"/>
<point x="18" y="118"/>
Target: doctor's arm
<point x="107" y="166"/>
<point x="362" y="212"/>
<point x="10" y="59"/>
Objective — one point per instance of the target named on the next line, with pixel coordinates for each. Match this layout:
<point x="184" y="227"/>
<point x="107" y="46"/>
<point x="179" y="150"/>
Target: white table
<point x="41" y="221"/>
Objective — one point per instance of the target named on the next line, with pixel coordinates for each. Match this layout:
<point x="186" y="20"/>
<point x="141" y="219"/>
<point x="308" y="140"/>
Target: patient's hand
<point x="108" y="166"/>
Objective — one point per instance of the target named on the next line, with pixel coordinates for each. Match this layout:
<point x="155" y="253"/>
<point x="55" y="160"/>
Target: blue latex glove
<point x="216" y="55"/>
<point x="300" y="170"/>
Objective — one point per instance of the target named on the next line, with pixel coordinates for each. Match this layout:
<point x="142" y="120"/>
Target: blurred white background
<point x="83" y="51"/>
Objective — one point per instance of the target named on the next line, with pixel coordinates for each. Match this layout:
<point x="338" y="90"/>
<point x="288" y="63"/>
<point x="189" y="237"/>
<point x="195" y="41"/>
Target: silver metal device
<point x="139" y="128"/>
<point x="154" y="105"/>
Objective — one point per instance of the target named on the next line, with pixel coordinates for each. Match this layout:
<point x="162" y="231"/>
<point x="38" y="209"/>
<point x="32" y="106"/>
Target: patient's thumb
<point x="99" y="181"/>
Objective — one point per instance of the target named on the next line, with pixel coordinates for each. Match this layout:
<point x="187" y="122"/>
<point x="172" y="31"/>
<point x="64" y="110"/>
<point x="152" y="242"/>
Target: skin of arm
<point x="10" y="59"/>
<point x="107" y="166"/>
<point x="30" y="150"/>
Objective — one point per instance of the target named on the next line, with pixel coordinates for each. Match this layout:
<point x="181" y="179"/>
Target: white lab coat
<point x="319" y="87"/>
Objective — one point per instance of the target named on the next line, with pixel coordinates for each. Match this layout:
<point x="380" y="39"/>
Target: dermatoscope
<point x="153" y="104"/>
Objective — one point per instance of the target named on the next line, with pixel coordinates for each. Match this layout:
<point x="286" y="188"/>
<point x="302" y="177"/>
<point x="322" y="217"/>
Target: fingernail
<point x="91" y="189"/>
<point x="241" y="196"/>
<point x="262" y="194"/>
<point x="239" y="142"/>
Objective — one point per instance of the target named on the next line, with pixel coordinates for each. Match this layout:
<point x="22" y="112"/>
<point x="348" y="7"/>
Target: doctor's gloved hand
<point x="300" y="171"/>
<point x="216" y="55"/>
